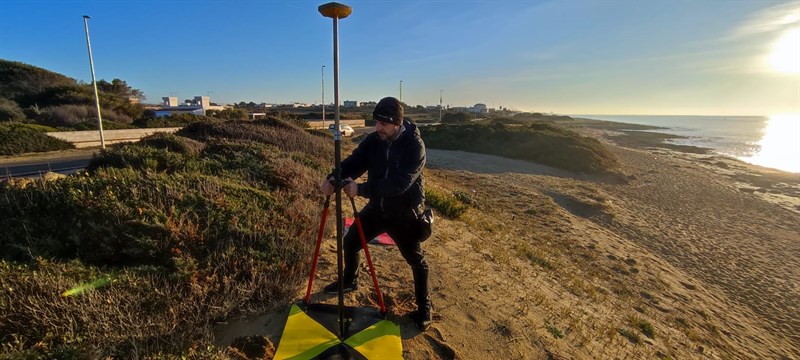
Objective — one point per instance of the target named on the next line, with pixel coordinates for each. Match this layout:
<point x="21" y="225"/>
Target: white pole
<point x="94" y="82"/>
<point x="323" y="96"/>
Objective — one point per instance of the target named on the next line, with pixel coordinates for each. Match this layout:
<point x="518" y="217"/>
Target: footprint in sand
<point x="440" y="348"/>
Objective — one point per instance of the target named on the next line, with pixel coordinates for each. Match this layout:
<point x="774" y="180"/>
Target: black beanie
<point x="388" y="110"/>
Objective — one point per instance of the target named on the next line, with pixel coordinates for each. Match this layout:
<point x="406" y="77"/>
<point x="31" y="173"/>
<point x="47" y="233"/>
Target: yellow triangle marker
<point x="303" y="338"/>
<point x="379" y="341"/>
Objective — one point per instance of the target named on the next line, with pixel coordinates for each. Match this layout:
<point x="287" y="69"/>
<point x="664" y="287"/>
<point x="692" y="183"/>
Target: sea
<point x="769" y="141"/>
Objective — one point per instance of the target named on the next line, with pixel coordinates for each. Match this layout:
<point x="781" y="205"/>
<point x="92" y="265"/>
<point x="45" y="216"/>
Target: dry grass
<point x="189" y="232"/>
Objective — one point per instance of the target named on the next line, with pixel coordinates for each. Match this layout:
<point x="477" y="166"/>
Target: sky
<point x="704" y="57"/>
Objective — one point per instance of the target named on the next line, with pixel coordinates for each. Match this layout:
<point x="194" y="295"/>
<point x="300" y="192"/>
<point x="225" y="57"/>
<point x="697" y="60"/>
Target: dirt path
<point x="679" y="262"/>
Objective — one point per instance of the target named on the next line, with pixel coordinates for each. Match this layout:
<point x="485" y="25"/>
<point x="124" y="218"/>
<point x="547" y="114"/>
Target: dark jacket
<point x="394" y="172"/>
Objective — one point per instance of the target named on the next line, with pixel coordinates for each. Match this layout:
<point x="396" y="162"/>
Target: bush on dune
<point x="185" y="231"/>
<point x="18" y="139"/>
<point x="544" y="143"/>
<point x="274" y="131"/>
<point x="81" y="117"/>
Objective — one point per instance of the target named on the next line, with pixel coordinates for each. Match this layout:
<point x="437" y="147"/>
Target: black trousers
<point x="404" y="233"/>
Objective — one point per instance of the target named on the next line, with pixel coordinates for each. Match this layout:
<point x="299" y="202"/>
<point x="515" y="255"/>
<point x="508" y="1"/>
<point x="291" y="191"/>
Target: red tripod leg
<point x="369" y="258"/>
<point x="316" y="250"/>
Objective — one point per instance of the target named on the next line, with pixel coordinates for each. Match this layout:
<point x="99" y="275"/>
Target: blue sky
<point x="571" y="56"/>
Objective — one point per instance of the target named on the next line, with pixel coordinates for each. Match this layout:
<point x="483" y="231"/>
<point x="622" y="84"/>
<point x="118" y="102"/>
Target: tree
<point x="120" y="88"/>
<point x="228" y="114"/>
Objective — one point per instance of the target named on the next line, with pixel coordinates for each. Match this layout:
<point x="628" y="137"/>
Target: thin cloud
<point x="771" y="19"/>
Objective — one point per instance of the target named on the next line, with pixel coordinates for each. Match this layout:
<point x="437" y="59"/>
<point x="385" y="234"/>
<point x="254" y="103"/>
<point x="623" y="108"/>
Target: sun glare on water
<point x="785" y="55"/>
<point x="780" y="146"/>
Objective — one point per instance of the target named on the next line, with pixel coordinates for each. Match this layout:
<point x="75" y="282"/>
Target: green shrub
<point x="508" y="120"/>
<point x="553" y="330"/>
<point x="541" y="117"/>
<point x="274" y="131"/>
<point x="83" y="117"/>
<point x="303" y="124"/>
<point x="172" y="143"/>
<point x="37" y="127"/>
<point x="189" y="232"/>
<point x="539" y="142"/>
<point x="24" y="138"/>
<point x="645" y="327"/>
<point x="456" y="118"/>
<point x="630" y="335"/>
<point x="140" y="157"/>
<point x="447" y="205"/>
<point x="466" y="198"/>
<point x="321" y="133"/>
<point x="228" y="114"/>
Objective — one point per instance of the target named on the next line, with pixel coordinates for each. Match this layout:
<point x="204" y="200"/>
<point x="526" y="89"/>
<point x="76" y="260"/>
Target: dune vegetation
<point x="142" y="253"/>
<point x="540" y="142"/>
<point x="156" y="241"/>
<point x="24" y="138"/>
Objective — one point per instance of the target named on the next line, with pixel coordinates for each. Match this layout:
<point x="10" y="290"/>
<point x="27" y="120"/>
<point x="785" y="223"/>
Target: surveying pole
<point x="337" y="11"/>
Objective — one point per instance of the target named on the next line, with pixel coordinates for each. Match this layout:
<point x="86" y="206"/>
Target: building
<point x="198" y="106"/>
<point x="478" y="109"/>
<point x="350" y="104"/>
<point x="294" y="105"/>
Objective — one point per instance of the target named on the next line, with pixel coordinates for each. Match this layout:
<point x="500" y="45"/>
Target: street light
<point x="440" y="106"/>
<point x="323" y="96"/>
<point x="337" y="11"/>
<point x="401" y="91"/>
<point x="94" y="82"/>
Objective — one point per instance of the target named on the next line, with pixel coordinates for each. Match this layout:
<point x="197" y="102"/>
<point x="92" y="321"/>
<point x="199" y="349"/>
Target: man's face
<point x="386" y="130"/>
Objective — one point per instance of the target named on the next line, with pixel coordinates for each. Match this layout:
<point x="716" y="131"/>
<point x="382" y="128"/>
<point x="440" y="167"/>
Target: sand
<point x="693" y="256"/>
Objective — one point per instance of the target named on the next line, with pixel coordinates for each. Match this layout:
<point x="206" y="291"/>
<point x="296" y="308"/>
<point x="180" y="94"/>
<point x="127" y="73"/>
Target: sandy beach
<point x="688" y="255"/>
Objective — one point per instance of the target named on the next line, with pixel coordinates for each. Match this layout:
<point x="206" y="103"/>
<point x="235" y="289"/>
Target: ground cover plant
<point x="141" y="254"/>
<point x="24" y="138"/>
<point x="540" y="142"/>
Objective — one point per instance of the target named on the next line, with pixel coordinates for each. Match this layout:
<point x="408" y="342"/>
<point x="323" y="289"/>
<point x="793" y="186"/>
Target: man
<point x="393" y="157"/>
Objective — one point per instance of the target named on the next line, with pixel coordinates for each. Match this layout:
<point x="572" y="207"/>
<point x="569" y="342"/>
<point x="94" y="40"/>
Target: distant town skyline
<point x="566" y="57"/>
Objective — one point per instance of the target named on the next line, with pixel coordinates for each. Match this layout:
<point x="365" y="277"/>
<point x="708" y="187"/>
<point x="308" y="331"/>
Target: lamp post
<point x="337" y="11"/>
<point x="94" y="82"/>
<point x="323" y="96"/>
<point x="401" y="91"/>
<point x="440" y="106"/>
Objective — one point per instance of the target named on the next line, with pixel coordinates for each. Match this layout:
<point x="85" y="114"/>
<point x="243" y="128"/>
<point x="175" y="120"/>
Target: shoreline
<point x="644" y="136"/>
<point x="773" y="185"/>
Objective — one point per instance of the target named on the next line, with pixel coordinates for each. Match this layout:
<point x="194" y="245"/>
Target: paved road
<point x="34" y="168"/>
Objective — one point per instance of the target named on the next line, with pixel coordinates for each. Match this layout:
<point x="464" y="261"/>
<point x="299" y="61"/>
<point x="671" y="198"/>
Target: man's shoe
<point x="422" y="319"/>
<point x="333" y="288"/>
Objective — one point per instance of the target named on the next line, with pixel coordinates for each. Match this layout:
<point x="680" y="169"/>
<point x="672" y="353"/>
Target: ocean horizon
<point x="769" y="141"/>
